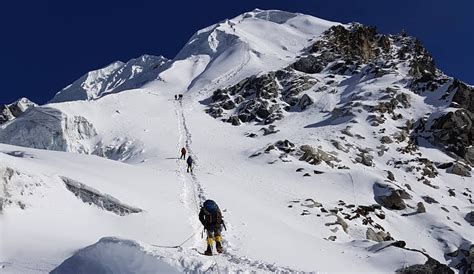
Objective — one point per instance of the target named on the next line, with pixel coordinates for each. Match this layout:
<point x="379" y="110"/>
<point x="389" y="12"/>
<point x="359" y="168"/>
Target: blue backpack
<point x="211" y="207"/>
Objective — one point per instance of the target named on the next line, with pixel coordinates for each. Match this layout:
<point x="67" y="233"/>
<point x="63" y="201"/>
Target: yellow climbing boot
<point x="219" y="244"/>
<point x="210" y="241"/>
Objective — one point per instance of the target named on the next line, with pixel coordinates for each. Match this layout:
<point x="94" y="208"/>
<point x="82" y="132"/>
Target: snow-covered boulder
<point x="112" y="255"/>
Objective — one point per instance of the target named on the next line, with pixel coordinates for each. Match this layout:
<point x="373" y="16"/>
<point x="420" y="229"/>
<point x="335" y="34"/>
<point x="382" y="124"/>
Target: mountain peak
<point x="112" y="78"/>
<point x="15" y="109"/>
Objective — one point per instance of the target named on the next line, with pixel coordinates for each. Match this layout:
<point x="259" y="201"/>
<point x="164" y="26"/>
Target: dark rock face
<point x="431" y="266"/>
<point x="285" y="146"/>
<point x="470" y="218"/>
<point x="455" y="131"/>
<point x="422" y="65"/>
<point x="5" y="114"/>
<point x="305" y="101"/>
<point x="310" y="64"/>
<point x="356" y="43"/>
<point x="234" y="120"/>
<point x="351" y="47"/>
<point x="262" y="98"/>
<point x="463" y="96"/>
<point x="460" y="169"/>
<point x="15" y="109"/>
<point x="463" y="258"/>
<point x="365" y="159"/>
<point x="389" y="197"/>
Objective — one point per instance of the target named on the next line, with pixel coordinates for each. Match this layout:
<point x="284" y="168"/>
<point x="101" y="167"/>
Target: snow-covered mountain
<point x="113" y="78"/>
<point x="330" y="147"/>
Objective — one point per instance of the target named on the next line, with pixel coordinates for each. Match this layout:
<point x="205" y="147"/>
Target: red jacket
<point x="183" y="151"/>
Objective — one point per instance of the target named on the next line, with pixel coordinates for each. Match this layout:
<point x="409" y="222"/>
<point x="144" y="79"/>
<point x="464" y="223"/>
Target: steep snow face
<point x="89" y="127"/>
<point x="113" y="78"/>
<point x="49" y="128"/>
<point x="236" y="48"/>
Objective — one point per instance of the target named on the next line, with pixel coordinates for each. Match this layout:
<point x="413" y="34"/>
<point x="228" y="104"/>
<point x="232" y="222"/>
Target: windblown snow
<point x="328" y="147"/>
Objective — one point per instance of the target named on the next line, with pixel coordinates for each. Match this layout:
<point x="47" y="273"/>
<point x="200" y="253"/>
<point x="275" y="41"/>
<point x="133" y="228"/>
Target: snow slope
<point x="134" y="208"/>
<point x="169" y="198"/>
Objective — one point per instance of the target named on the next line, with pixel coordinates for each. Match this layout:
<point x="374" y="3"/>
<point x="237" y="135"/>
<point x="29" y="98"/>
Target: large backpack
<point x="213" y="210"/>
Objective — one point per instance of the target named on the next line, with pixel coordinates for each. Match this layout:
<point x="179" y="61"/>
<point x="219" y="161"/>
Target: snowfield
<point x="92" y="181"/>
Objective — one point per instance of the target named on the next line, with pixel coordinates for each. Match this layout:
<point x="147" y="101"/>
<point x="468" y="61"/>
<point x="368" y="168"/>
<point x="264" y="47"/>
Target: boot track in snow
<point x="193" y="197"/>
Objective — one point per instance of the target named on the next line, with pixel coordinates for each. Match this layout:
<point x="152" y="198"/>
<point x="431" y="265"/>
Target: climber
<point x="180" y="97"/>
<point x="189" y="161"/>
<point x="211" y="218"/>
<point x="176" y="96"/>
<point x="183" y="153"/>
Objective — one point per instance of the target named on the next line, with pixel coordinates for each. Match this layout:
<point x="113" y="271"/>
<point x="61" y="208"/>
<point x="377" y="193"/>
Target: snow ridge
<point x="113" y="78"/>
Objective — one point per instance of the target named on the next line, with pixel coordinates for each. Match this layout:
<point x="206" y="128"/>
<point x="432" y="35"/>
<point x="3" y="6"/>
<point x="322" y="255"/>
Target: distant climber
<point x="183" y="153"/>
<point x="176" y="96"/>
<point x="211" y="218"/>
<point x="189" y="161"/>
<point x="180" y="97"/>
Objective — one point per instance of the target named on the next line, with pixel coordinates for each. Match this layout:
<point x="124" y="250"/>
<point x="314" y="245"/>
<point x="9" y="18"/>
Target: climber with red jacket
<point x="183" y="153"/>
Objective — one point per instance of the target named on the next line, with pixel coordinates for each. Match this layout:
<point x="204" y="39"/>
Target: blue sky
<point x="46" y="45"/>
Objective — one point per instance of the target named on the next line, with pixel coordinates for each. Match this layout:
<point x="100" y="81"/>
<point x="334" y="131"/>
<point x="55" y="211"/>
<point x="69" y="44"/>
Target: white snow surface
<point x="45" y="227"/>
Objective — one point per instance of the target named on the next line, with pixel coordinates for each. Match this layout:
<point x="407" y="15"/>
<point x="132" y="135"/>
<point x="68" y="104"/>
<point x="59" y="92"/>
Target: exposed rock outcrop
<point x="470" y="218"/>
<point x="263" y="98"/>
<point x="463" y="258"/>
<point x="91" y="196"/>
<point x="460" y="169"/>
<point x="455" y="131"/>
<point x="315" y="156"/>
<point x="390" y="197"/>
<point x="15" y="109"/>
<point x="431" y="266"/>
<point x="380" y="236"/>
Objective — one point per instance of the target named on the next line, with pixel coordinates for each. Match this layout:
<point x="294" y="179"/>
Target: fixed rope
<point x="176" y="246"/>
